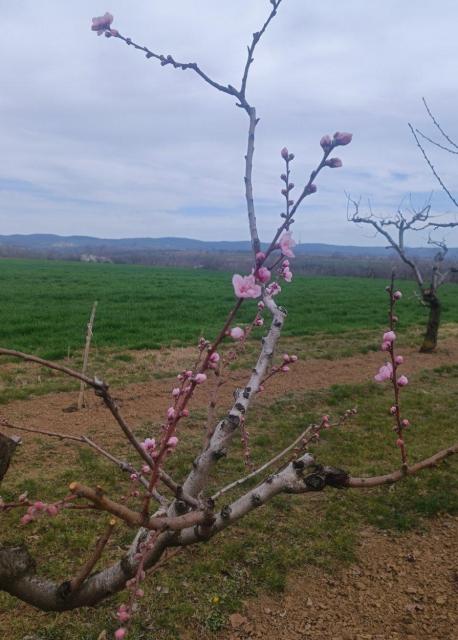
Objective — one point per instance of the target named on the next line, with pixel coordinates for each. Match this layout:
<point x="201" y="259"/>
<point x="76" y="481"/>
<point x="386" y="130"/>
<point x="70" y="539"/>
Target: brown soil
<point x="147" y="402"/>
<point x="402" y="587"/>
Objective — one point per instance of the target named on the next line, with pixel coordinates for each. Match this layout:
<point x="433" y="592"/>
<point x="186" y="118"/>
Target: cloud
<point x="97" y="140"/>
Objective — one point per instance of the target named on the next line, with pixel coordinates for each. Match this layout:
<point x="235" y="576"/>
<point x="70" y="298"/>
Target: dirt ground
<point x="403" y="587"/>
<point x="148" y="402"/>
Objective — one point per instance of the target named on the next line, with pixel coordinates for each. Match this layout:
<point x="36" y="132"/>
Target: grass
<point x="203" y="585"/>
<point x="46" y="305"/>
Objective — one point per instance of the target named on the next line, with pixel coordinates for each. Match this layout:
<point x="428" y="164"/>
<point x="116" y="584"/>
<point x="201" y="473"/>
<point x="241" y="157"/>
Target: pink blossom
<point x="185" y="413"/>
<point x="287" y="243"/>
<point x="284" y="153"/>
<point x="284" y="368"/>
<point x="27" y="519"/>
<point x="403" y="381"/>
<point x="385" y="372"/>
<point x="399" y="359"/>
<point x="399" y="442"/>
<point x="170" y="413"/>
<point x="52" y="510"/>
<point x="188" y="374"/>
<point x="102" y="23"/>
<point x="39" y="505"/>
<point x="149" y="443"/>
<point x="393" y="410"/>
<point x="263" y="274"/>
<point x="146" y="469"/>
<point x="405" y="423"/>
<point x="287" y="274"/>
<point x="273" y="289"/>
<point x="133" y="477"/>
<point x="172" y="442"/>
<point x="261" y="305"/>
<point x="397" y="295"/>
<point x="123" y="614"/>
<point x="237" y="333"/>
<point x="286" y="357"/>
<point x="245" y="286"/>
<point x="334" y="163"/>
<point x="326" y="143"/>
<point x="139" y="593"/>
<point x="200" y="378"/>
<point x="285" y="263"/>
<point x="120" y="633"/>
<point x="176" y="392"/>
<point x="342" y="138"/>
<point x="259" y="322"/>
<point x="214" y="357"/>
<point x="385" y="346"/>
<point x="293" y="358"/>
<point x="389" y="336"/>
<point x="260" y="256"/>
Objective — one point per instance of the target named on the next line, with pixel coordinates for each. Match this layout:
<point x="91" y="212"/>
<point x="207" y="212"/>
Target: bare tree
<point x="394" y="230"/>
<point x="185" y="511"/>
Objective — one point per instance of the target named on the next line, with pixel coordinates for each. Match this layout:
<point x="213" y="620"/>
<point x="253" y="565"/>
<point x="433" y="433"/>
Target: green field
<point x="45" y="305"/>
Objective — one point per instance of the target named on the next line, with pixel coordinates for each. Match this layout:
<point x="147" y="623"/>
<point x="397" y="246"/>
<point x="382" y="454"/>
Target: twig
<point x="90" y="563"/>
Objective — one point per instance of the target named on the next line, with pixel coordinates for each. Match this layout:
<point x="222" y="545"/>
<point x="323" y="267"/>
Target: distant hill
<point x="75" y="245"/>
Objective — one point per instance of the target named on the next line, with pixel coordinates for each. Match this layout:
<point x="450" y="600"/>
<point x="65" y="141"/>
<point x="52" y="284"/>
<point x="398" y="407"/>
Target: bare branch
<point x="436" y="123"/>
<point x="431" y="166"/>
<point x="87" y="567"/>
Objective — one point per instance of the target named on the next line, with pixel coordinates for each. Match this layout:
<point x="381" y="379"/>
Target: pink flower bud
<point x="261" y="305"/>
<point x="133" y="477"/>
<point x="389" y="336"/>
<point x="405" y="423"/>
<point x="263" y="274"/>
<point x="397" y="295"/>
<point x="146" y="469"/>
<point x="326" y="143"/>
<point x="170" y="413"/>
<point x="52" y="510"/>
<point x="283" y="177"/>
<point x="39" y="505"/>
<point x="385" y="346"/>
<point x="139" y="593"/>
<point x="237" y="333"/>
<point x="188" y="374"/>
<point x="214" y="357"/>
<point x="185" y="413"/>
<point x="284" y="368"/>
<point x="403" y="381"/>
<point x="284" y="153"/>
<point x="342" y="138"/>
<point x="399" y="442"/>
<point x="393" y="410"/>
<point x="172" y="442"/>
<point x="176" y="392"/>
<point x="260" y="256"/>
<point x="122" y="614"/>
<point x="259" y="322"/>
<point x="293" y="358"/>
<point x="312" y="188"/>
<point x="399" y="359"/>
<point x="26" y="519"/>
<point x="200" y="378"/>
<point x="120" y="633"/>
<point x="286" y="357"/>
<point x="334" y="163"/>
<point x="260" y="388"/>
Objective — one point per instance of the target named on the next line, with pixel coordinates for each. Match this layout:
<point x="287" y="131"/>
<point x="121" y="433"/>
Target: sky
<point x="97" y="140"/>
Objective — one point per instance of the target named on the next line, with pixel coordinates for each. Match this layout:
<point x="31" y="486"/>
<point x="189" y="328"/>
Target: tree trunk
<point x="432" y="328"/>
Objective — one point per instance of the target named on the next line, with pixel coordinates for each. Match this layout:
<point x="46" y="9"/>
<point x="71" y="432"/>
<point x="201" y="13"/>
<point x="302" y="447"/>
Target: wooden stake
<point x="81" y="400"/>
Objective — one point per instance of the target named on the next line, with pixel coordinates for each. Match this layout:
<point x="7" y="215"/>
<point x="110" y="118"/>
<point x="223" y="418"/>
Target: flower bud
<point x="284" y="153"/>
<point x="341" y="138"/>
<point x="326" y="143"/>
<point x="334" y="163"/>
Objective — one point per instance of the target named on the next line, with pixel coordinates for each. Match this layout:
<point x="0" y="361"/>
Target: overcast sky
<point x="97" y="140"/>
